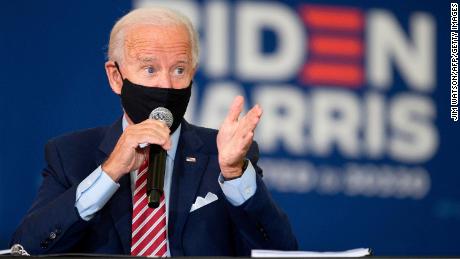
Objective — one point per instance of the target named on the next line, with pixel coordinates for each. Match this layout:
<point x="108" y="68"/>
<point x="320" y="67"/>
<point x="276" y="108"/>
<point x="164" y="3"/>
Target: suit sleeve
<point x="259" y="222"/>
<point x="53" y="224"/>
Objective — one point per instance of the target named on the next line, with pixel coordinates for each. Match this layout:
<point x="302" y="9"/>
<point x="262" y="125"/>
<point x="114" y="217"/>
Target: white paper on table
<point x="359" y="252"/>
<point x="5" y="252"/>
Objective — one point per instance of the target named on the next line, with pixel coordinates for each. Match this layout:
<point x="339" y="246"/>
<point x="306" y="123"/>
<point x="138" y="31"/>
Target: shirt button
<point x="247" y="191"/>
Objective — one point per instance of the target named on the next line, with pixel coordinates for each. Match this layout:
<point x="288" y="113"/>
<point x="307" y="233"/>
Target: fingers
<point x="249" y="122"/>
<point x="149" y="136"/>
<point x="235" y="109"/>
<point x="254" y="115"/>
<point x="149" y="131"/>
<point x="245" y="133"/>
<point x="158" y="135"/>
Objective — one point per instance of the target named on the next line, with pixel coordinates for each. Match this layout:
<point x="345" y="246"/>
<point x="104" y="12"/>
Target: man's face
<point x="158" y="56"/>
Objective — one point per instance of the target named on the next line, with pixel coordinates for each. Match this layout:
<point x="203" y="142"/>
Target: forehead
<point x="154" y="40"/>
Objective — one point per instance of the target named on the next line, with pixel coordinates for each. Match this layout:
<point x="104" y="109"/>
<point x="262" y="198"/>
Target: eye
<point x="150" y="70"/>
<point x="179" y="71"/>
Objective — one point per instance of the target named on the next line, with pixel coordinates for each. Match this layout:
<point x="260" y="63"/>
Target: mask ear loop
<point x="118" y="68"/>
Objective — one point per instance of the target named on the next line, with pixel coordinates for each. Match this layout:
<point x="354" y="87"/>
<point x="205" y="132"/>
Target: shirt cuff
<point x="239" y="190"/>
<point x="94" y="192"/>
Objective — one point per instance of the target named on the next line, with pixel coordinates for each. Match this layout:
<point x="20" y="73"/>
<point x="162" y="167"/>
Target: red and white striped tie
<point x="149" y="225"/>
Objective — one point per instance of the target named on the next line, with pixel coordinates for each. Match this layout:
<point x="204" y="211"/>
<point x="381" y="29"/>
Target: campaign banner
<point x="359" y="134"/>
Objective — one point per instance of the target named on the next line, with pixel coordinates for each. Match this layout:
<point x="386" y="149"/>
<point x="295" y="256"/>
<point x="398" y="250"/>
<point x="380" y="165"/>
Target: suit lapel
<point x="186" y="180"/>
<point x="120" y="205"/>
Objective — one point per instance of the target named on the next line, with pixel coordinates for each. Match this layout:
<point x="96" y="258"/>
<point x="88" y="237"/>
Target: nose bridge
<point x="165" y="79"/>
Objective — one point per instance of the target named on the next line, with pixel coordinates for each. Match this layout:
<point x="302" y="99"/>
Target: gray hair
<point x="153" y="16"/>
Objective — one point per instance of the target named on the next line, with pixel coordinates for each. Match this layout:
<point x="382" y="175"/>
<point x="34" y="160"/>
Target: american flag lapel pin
<point x="190" y="159"/>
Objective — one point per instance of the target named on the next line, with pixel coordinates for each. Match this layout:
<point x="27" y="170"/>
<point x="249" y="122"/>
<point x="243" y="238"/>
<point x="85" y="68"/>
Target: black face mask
<point x="139" y="101"/>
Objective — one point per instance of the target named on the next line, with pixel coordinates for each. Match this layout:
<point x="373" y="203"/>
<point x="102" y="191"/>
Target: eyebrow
<point x="184" y="61"/>
<point x="153" y="59"/>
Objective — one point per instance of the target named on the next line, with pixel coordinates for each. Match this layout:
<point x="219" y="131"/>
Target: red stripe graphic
<point x="338" y="46"/>
<point x="332" y="74"/>
<point x="337" y="18"/>
<point x="335" y="46"/>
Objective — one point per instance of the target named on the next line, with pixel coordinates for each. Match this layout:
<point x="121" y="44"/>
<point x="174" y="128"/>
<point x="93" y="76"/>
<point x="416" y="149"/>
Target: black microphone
<point x="157" y="161"/>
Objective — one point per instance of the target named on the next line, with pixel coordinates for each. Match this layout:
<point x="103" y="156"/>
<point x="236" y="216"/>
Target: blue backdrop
<point x="357" y="142"/>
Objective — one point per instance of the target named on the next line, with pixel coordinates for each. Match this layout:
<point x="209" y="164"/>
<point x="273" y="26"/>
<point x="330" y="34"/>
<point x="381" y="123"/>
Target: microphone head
<point x="162" y="114"/>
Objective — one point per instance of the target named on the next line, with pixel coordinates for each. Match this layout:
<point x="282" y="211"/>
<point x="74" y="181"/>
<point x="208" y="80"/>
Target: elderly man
<point x="92" y="199"/>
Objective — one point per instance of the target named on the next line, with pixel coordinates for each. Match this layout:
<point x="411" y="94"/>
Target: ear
<point x="115" y="80"/>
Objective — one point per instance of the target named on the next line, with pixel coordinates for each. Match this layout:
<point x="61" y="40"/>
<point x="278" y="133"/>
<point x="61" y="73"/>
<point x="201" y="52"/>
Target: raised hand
<point x="235" y="137"/>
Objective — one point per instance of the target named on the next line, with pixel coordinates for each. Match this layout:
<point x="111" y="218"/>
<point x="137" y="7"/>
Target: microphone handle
<point x="155" y="175"/>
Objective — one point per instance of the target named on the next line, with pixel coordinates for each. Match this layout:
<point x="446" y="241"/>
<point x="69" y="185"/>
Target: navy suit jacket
<point x="53" y="224"/>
